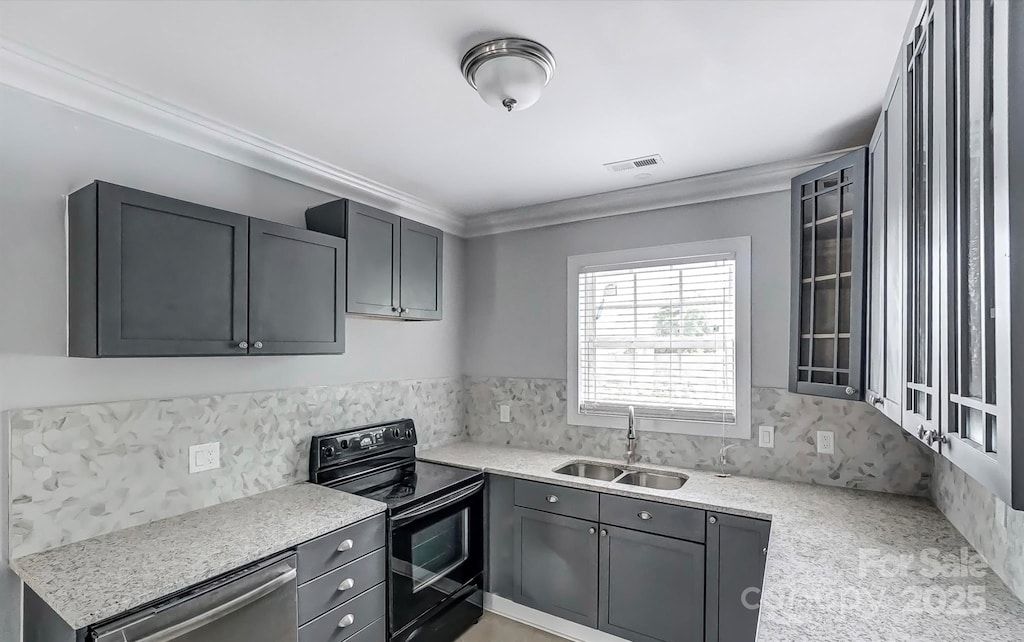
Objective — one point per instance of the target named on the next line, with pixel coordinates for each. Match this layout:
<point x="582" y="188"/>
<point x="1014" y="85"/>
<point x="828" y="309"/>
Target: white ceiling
<point x="375" y="87"/>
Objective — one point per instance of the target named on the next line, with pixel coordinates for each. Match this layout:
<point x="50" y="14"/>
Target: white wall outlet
<point x="826" y="442"/>
<point x="504" y="413"/>
<point x="766" y="436"/>
<point x="203" y="457"/>
<point x="1000" y="512"/>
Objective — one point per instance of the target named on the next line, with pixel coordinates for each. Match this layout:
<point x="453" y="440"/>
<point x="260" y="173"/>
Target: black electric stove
<point x="435" y="525"/>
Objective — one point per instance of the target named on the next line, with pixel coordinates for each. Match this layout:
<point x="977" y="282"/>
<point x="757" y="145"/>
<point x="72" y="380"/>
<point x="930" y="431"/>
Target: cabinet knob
<point x="604" y="533"/>
<point x="346" y="621"/>
<point x="644" y="515"/>
<point x="712" y="520"/>
<point x="764" y="550"/>
<point x="244" y="345"/>
<point x="403" y="310"/>
<point x="345" y="546"/>
<point x="592" y="530"/>
<point x="850" y="390"/>
<point x="552" y="499"/>
<point x="347" y="584"/>
<point x="878" y="401"/>
<point x="396" y="309"/>
<point x="921" y="432"/>
<point x="258" y="345"/>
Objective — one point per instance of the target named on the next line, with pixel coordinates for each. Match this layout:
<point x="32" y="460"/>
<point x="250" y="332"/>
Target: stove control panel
<point x="337" y="447"/>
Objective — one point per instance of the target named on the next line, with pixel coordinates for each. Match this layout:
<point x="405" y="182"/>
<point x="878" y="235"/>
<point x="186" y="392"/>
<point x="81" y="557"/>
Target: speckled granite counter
<point x="97" y="578"/>
<point x="842" y="564"/>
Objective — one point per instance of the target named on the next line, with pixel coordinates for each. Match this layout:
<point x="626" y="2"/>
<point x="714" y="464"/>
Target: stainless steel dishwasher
<point x="254" y="604"/>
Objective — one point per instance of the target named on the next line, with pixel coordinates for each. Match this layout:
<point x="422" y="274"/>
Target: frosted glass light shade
<point x="510" y="77"/>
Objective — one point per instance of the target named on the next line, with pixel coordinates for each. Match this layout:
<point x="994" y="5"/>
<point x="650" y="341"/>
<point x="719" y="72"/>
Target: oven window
<point x="439" y="548"/>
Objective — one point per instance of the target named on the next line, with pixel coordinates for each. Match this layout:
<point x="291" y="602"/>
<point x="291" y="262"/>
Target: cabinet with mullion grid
<point x="826" y="351"/>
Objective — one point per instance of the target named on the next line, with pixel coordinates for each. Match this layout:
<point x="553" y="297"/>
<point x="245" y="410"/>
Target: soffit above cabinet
<point x="399" y="127"/>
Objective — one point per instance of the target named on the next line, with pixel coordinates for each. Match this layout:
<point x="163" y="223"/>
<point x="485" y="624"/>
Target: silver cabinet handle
<point x="552" y="499"/>
<point x="644" y="515"/>
<point x="244" y="345"/>
<point x="345" y="546"/>
<point x="921" y="432"/>
<point x="604" y="532"/>
<point x="712" y="520"/>
<point x="764" y="550"/>
<point x="850" y="390"/>
<point x="258" y="345"/>
<point x="346" y="621"/>
<point x="592" y="530"/>
<point x="396" y="309"/>
<point x="347" y="584"/>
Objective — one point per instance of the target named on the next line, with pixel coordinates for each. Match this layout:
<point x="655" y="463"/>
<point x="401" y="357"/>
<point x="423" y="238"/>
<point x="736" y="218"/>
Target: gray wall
<point x="47" y="151"/>
<point x="516" y="283"/>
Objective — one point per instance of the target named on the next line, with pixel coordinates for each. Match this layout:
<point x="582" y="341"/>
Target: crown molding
<point x="746" y="181"/>
<point x="62" y="82"/>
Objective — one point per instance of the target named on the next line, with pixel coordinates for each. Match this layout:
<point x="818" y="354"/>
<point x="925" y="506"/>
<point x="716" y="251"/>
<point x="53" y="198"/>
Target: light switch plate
<point x="766" y="436"/>
<point x="504" y="413"/>
<point x="826" y="442"/>
<point x="203" y="457"/>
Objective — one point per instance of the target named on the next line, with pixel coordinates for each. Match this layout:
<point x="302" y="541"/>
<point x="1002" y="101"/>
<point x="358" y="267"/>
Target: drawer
<point x="340" y="585"/>
<point x="327" y="553"/>
<point x="560" y="500"/>
<point x="653" y="517"/>
<point x="376" y="632"/>
<point x="348" y="620"/>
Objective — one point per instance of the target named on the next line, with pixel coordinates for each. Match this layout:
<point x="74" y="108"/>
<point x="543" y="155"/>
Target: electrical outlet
<point x="203" y="457"/>
<point x="504" y="413"/>
<point x="1000" y="513"/>
<point x="766" y="436"/>
<point x="826" y="442"/>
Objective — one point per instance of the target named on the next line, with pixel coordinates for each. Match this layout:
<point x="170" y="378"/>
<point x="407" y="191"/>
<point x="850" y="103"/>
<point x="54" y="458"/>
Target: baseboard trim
<point x="544" y="621"/>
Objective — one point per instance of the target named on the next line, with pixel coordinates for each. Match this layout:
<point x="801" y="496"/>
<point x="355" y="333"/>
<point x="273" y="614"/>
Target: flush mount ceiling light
<point x="509" y="72"/>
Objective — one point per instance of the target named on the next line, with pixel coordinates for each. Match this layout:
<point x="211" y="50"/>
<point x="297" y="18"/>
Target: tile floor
<point x="494" y="628"/>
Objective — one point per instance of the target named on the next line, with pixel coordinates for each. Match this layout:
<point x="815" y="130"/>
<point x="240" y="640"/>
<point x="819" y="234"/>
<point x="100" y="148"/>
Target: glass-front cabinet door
<point x="826" y="345"/>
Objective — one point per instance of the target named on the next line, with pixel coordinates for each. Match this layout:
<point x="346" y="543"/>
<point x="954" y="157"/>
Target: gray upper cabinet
<point x="296" y="293"/>
<point x="828" y="232"/>
<point x="884" y="378"/>
<point x="152" y="276"/>
<point x="737" y="548"/>
<point x="394" y="264"/>
<point x="651" y="587"/>
<point x="555" y="565"/>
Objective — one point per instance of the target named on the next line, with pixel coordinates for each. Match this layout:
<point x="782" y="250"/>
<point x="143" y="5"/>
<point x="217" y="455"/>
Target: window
<point x="666" y="330"/>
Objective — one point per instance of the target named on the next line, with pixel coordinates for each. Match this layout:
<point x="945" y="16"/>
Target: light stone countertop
<point x="92" y="580"/>
<point x="842" y="564"/>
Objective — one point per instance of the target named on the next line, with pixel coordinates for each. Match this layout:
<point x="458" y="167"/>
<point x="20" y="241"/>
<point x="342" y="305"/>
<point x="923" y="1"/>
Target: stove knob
<point x="396" y="433"/>
<point x="328" y="452"/>
<point x="344" y="444"/>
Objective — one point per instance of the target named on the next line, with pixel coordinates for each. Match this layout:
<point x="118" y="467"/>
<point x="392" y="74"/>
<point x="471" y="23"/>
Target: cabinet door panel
<point x="373" y="262"/>
<point x="555" y="563"/>
<point x="895" y="219"/>
<point x="172" y="276"/>
<point x="296" y="291"/>
<point x="421" y="271"/>
<point x="652" y="587"/>
<point x="736" y="549"/>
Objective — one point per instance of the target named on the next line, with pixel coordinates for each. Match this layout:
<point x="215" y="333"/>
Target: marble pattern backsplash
<point x="992" y="528"/>
<point x="81" y="471"/>
<point x="871" y="452"/>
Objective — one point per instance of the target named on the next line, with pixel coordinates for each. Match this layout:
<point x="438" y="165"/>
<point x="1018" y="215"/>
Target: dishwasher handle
<point x="150" y="629"/>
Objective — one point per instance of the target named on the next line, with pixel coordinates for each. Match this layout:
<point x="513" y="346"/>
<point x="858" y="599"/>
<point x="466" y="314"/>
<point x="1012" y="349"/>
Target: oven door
<point x="436" y="550"/>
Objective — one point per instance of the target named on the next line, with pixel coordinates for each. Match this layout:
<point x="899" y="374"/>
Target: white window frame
<point x="739" y="247"/>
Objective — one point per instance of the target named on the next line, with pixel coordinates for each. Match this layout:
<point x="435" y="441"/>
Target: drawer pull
<point x="644" y="515"/>
<point x="346" y="621"/>
<point x="345" y="546"/>
<point x="552" y="499"/>
<point x="346" y="585"/>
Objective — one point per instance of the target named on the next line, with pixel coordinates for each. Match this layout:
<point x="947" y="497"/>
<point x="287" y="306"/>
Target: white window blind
<point x="660" y="336"/>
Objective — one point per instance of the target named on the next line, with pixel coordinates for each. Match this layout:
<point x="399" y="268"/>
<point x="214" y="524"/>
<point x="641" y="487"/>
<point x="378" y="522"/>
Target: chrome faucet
<point x="631" y="454"/>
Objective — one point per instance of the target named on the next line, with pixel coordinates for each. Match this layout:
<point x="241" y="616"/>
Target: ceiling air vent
<point x="634" y="163"/>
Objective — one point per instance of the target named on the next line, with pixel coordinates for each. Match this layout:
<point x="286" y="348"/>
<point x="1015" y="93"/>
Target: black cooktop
<point x="379" y="462"/>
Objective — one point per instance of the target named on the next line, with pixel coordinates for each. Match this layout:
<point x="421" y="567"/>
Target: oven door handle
<point x="441" y="502"/>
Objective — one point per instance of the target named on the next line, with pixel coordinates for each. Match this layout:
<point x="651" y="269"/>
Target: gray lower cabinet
<point x="153" y="276"/>
<point x="651" y="587"/>
<point x="737" y="548"/>
<point x="555" y="564"/>
<point x="394" y="264"/>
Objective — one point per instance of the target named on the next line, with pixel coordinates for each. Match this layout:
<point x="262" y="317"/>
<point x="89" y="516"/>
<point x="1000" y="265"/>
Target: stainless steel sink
<point x="601" y="472"/>
<point x="660" y="481"/>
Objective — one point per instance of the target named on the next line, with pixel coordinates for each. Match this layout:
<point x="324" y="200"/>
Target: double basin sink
<point x="629" y="475"/>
